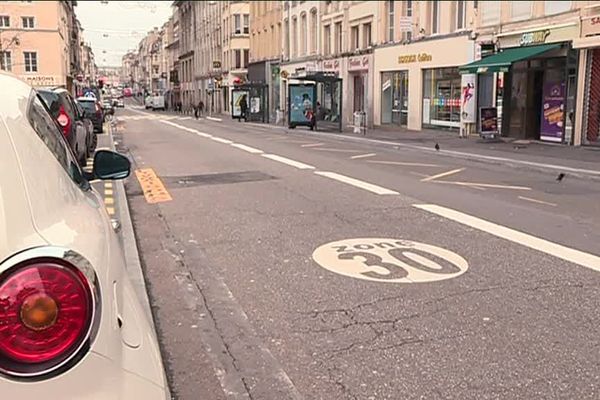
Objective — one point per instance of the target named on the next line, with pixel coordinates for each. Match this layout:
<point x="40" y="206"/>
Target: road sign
<point x="389" y="260"/>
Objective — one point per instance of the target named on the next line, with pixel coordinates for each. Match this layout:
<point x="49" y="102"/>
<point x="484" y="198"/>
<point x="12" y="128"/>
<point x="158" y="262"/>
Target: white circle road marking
<point x="389" y="260"/>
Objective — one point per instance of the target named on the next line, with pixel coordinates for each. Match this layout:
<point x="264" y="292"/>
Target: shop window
<point x="556" y="7"/>
<point x="441" y="97"/>
<point x="394" y="98"/>
<point x="490" y="13"/>
<point x="354" y="38"/>
<point x="520" y="10"/>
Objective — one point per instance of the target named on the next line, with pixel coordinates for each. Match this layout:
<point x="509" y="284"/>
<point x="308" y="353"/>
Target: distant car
<point x="127" y="92"/>
<point x="71" y="325"/>
<point x="119" y="103"/>
<point x="93" y="111"/>
<point x="158" y="102"/>
<point x="64" y="111"/>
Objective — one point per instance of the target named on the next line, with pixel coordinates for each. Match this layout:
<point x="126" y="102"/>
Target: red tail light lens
<point x="46" y="311"/>
<point x="64" y="121"/>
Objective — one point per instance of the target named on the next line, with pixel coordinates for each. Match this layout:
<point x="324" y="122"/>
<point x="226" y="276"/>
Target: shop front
<point x="419" y="85"/>
<point x="359" y="85"/>
<point x="588" y="99"/>
<point x="537" y="82"/>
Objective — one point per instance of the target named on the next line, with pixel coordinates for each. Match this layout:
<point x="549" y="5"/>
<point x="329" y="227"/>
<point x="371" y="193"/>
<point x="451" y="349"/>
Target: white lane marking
<point x="214" y="119"/>
<point x="484" y="185"/>
<point x="246" y="148"/>
<point x="337" y="150"/>
<point x="355" y="182"/>
<point x="408" y="164"/>
<point x="443" y="174"/>
<point x="218" y="139"/>
<point x="204" y="135"/>
<point x="288" y="161"/>
<point x="183" y="118"/>
<point x="363" y="156"/>
<point x="587" y="260"/>
<point x="538" y="201"/>
<point x="312" y="145"/>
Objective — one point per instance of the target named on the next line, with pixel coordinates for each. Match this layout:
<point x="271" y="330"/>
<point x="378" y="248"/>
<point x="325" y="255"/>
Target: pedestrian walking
<point x="200" y="107"/>
<point x="196" y="111"/>
<point x="243" y="108"/>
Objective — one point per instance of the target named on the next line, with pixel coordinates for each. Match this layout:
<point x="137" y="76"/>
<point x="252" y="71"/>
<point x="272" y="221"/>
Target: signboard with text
<point x="553" y="112"/>
<point x="488" y="120"/>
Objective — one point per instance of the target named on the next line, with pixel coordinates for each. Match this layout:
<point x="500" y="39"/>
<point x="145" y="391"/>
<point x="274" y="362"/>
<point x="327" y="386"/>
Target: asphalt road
<point x="301" y="266"/>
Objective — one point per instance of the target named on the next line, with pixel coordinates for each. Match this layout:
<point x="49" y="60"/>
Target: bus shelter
<point x="256" y="97"/>
<point x="327" y="100"/>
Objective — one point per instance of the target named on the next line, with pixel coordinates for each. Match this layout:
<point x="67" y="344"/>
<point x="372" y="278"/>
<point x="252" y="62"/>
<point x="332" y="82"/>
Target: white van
<point x="158" y="102"/>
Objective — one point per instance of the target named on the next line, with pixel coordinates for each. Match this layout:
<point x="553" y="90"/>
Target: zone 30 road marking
<point x="154" y="190"/>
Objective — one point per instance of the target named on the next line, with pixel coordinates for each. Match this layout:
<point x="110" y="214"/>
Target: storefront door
<point x="359" y="93"/>
<point x="394" y="98"/>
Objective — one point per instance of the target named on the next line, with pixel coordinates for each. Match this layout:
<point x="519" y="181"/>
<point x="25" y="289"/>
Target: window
<point x="490" y="13"/>
<point x="327" y="39"/>
<point x="238" y="24"/>
<point x="5" y="61"/>
<point x="520" y="10"/>
<point x="286" y="40"/>
<point x="246" y="23"/>
<point x="338" y="37"/>
<point x="313" y="31"/>
<point x="367" y="35"/>
<point x="4" y="21"/>
<point x="435" y="17"/>
<point x="246" y="56"/>
<point x="556" y="7"/>
<point x="461" y="14"/>
<point x="46" y="129"/>
<point x="30" y="61"/>
<point x="407" y="34"/>
<point x="390" y="21"/>
<point x="238" y="58"/>
<point x="294" y="37"/>
<point x="354" y="38"/>
<point x="28" y="22"/>
<point x="303" y="34"/>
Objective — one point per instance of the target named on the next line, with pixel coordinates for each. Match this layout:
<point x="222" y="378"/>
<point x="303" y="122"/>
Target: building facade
<point x="265" y="50"/>
<point x="41" y="42"/>
<point x="235" y="16"/>
<point x="209" y="57"/>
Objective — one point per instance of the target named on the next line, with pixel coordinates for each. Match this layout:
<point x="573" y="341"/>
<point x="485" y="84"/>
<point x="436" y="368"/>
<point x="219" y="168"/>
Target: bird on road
<point x="437" y="147"/>
<point x="560" y="177"/>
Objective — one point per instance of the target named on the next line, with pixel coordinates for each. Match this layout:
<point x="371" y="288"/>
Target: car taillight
<point x="46" y="311"/>
<point x="64" y="121"/>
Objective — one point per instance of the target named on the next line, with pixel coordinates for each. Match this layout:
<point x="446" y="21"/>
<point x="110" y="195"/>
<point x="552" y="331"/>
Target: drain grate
<point x="216" y="179"/>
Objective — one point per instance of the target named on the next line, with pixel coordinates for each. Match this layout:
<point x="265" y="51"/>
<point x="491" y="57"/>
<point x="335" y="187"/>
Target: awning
<point x="501" y="62"/>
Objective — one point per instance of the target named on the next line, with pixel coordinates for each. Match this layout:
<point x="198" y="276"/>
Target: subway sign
<point x="530" y="38"/>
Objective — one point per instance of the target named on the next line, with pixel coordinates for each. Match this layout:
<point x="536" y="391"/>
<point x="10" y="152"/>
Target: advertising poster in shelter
<point x="301" y="103"/>
<point x="553" y="112"/>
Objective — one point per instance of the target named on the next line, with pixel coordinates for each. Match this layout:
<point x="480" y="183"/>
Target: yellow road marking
<point x="110" y="210"/>
<point x="538" y="201"/>
<point x="154" y="190"/>
<point x="443" y="174"/>
<point x="108" y="185"/>
<point x="109" y="200"/>
<point x="108" y="192"/>
<point x="402" y="163"/>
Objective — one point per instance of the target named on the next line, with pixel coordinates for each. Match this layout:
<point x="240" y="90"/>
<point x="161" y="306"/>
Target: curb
<point x="132" y="257"/>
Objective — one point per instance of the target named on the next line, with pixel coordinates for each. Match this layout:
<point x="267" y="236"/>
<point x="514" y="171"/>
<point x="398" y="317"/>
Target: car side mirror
<point x="110" y="165"/>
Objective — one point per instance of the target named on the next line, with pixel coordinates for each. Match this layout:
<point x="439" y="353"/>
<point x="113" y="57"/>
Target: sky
<point x="116" y="27"/>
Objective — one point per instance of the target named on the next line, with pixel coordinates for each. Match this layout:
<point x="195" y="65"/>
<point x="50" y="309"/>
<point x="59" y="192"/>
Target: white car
<point x="71" y="326"/>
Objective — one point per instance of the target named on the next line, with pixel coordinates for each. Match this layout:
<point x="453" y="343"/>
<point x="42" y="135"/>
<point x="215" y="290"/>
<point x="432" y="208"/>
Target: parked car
<point x="158" y="102"/>
<point x="91" y="139"/>
<point x="71" y="325"/>
<point x="63" y="109"/>
<point x="93" y="111"/>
